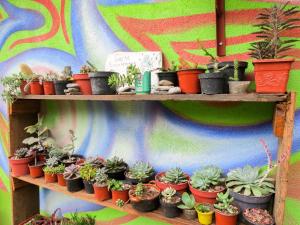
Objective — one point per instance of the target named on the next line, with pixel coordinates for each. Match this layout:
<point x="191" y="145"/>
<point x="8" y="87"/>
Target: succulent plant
<point x="60" y="169"/>
<point x="139" y="189"/>
<point x="87" y="69"/>
<point x="101" y="177"/>
<point x="117" y="185"/>
<point x="57" y="153"/>
<point x="224" y="203"/>
<point x="72" y="172"/>
<point x="168" y="194"/>
<point x="188" y="201"/>
<point x="21" y="153"/>
<point x="117" y="80"/>
<point x="96" y="162"/>
<point x="203" y="208"/>
<point x="120" y="203"/>
<point x="115" y="164"/>
<point x="140" y="171"/>
<point x="250" y="181"/>
<point x="174" y="176"/>
<point x="87" y="172"/>
<point x="52" y="162"/>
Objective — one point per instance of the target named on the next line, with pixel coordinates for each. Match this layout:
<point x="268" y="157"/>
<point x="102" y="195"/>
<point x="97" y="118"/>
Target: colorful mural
<point x="49" y="34"/>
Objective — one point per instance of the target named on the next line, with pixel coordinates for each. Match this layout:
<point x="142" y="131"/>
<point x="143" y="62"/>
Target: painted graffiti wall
<point x="50" y="34"/>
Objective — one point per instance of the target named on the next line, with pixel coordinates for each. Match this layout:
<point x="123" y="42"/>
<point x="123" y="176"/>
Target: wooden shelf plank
<point x="251" y="97"/>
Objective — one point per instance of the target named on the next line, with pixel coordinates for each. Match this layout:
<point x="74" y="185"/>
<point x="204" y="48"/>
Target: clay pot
<point x="178" y="187"/>
<point x="36" y="88"/>
<point x="101" y="193"/>
<point x="84" y="83"/>
<point x="50" y="178"/>
<point x="61" y="180"/>
<point x="123" y="195"/>
<point x="188" y="80"/>
<point x="205" y="196"/>
<point x="36" y="170"/>
<point x="224" y="219"/>
<point x="48" y="88"/>
<point x="19" y="167"/>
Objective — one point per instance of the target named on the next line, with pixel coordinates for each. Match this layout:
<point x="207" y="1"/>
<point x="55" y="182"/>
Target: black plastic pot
<point x="60" y="86"/>
<point x="119" y="175"/>
<point x="212" y="83"/>
<point x="99" y="83"/>
<point x="168" y="75"/>
<point x="88" y="187"/>
<point x="74" y="185"/>
<point x="136" y="181"/>
<point x="170" y="210"/>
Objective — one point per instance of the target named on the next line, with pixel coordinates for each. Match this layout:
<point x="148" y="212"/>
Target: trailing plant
<point x="117" y="185"/>
<point x="71" y="172"/>
<point x="75" y="219"/>
<point x="168" y="194"/>
<point x="224" y="203"/>
<point x="22" y="153"/>
<point x="188" y="201"/>
<point x="101" y="177"/>
<point x="140" y="171"/>
<point x="273" y="23"/>
<point x="203" y="208"/>
<point x="11" y="87"/>
<point x="115" y="164"/>
<point x="174" y="176"/>
<point x="87" y="172"/>
<point x="120" y="80"/>
<point x="247" y="181"/>
<point x="120" y="203"/>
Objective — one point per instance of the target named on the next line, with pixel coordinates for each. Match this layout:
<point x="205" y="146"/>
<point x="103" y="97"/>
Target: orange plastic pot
<point x="36" y="88"/>
<point x="204" y="196"/>
<point x="224" y="219"/>
<point x="84" y="83"/>
<point x="36" y="170"/>
<point x="189" y="81"/>
<point x="50" y="178"/>
<point x="22" y="87"/>
<point x="178" y="187"/>
<point x="272" y="75"/>
<point x="61" y="180"/>
<point x="48" y="88"/>
<point x="19" y="167"/>
<point x="101" y="193"/>
<point x="123" y="195"/>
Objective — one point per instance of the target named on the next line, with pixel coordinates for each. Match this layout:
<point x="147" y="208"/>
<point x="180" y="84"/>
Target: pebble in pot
<point x="169" y="201"/>
<point x="73" y="179"/>
<point x="87" y="173"/>
<point x="188" y="204"/>
<point x="140" y="172"/>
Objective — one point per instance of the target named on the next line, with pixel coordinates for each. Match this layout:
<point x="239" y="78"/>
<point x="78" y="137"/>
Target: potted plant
<point x="144" y="197"/>
<point x="96" y="162"/>
<point x="48" y="84"/>
<point x="83" y="80"/>
<point x="169" y="201"/>
<point x="237" y="86"/>
<point x="59" y="171"/>
<point x="140" y="172"/>
<point x="69" y="149"/>
<point x="225" y="212"/>
<point x="19" y="162"/>
<point x="188" y="206"/>
<point x="169" y="74"/>
<point x="50" y="170"/>
<point x="115" y="168"/>
<point x="87" y="173"/>
<point x="119" y="190"/>
<point x="36" y="168"/>
<point x="250" y="187"/>
<point x="73" y="179"/>
<point x="75" y="219"/>
<point x="206" y="183"/>
<point x="271" y="69"/>
<point x="257" y="216"/>
<point x="205" y="213"/>
<point x="35" y="84"/>
<point x="174" y="178"/>
<point x="101" y="185"/>
<point x="188" y="77"/>
<point x="60" y="84"/>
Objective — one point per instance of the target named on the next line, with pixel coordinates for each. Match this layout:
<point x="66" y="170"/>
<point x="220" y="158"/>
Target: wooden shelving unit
<point x="24" y="112"/>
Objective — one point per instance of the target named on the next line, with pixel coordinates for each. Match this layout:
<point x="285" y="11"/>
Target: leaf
<point x="30" y="140"/>
<point x="234" y="183"/>
<point x="247" y="191"/>
<point x="256" y="192"/>
<point x="31" y="129"/>
<point x="238" y="189"/>
<point x="183" y="207"/>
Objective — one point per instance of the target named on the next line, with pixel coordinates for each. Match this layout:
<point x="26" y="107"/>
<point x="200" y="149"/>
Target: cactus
<point x="139" y="189"/>
<point x="174" y="176"/>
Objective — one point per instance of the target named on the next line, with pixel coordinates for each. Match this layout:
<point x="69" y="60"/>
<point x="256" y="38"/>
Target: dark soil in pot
<point x="257" y="217"/>
<point x="88" y="187"/>
<point x="60" y="86"/>
<point x="170" y="210"/>
<point x="212" y="83"/>
<point x="74" y="185"/>
<point x="99" y="82"/>
<point x="134" y="181"/>
<point x="170" y="76"/>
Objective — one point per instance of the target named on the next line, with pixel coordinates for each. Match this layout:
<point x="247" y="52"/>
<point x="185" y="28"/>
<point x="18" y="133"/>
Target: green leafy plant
<point x="87" y="172"/>
<point x="273" y="23"/>
<point x="174" y="176"/>
<point x="188" y="201"/>
<point x="49" y="170"/>
<point x="75" y="219"/>
<point x="11" y="87"/>
<point x="120" y="203"/>
<point x="120" y="80"/>
<point x="22" y="153"/>
<point x="60" y="169"/>
<point x="224" y="203"/>
<point x="71" y="172"/>
<point x="57" y="152"/>
<point x="203" y="208"/>
<point x="115" y="164"/>
<point x="139" y="189"/>
<point x="168" y="194"/>
<point x="117" y="185"/>
<point x="51" y="165"/>
<point x="248" y="181"/>
<point x="140" y="171"/>
<point x="101" y="177"/>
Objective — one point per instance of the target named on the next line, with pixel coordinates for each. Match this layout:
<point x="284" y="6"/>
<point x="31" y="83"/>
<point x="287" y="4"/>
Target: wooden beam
<point x="284" y="152"/>
<point x="279" y="119"/>
<point x="220" y="28"/>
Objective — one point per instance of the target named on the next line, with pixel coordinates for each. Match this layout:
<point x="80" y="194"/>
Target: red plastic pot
<point x="101" y="193"/>
<point x="61" y="180"/>
<point x="19" y="167"/>
<point x="123" y="195"/>
<point x="189" y="81"/>
<point x="48" y="88"/>
<point x="272" y="75"/>
<point x="178" y="187"/>
<point x="84" y="83"/>
<point x="50" y="178"/>
<point x="36" y="88"/>
<point x="224" y="219"/>
<point x="36" y="171"/>
<point x="22" y="87"/>
<point x="204" y="196"/>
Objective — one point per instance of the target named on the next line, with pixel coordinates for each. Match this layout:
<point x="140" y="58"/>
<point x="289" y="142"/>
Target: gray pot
<point x="99" y="83"/>
<point x="212" y="83"/>
<point x="190" y="214"/>
<point x="238" y="87"/>
<point x="60" y="86"/>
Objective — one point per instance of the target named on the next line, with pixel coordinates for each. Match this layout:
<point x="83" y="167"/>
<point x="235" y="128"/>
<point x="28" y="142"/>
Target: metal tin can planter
<point x="143" y="83"/>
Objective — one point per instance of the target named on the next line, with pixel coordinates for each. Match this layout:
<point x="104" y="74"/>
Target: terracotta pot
<point x="48" y="88"/>
<point x="22" y="88"/>
<point x="36" y="170"/>
<point x="36" y="88"/>
<point x="272" y="75"/>
<point x="61" y="180"/>
<point x="84" y="83"/>
<point x="123" y="195"/>
<point x="178" y="187"/>
<point x="50" y="178"/>
<point x="223" y="219"/>
<point x="205" y="196"/>
<point x="101" y="193"/>
<point x="188" y="80"/>
<point x="19" y="167"/>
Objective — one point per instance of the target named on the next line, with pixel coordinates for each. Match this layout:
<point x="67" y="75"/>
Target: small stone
<point x="125" y="89"/>
<point x="72" y="85"/>
<point x="72" y="90"/>
<point x="74" y="93"/>
<point x="165" y="83"/>
<point x="174" y="90"/>
<point x="164" y="88"/>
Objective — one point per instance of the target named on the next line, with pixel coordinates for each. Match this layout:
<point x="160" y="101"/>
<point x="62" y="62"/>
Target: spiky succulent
<point x="139" y="189"/>
<point x="71" y="172"/>
<point x="188" y="201"/>
<point x="52" y="162"/>
<point x="224" y="203"/>
<point x="115" y="164"/>
<point x="168" y="194"/>
<point x="140" y="171"/>
<point x="250" y="181"/>
<point x="206" y="177"/>
<point x="174" y="176"/>
<point x="101" y="177"/>
<point x="21" y="153"/>
<point x="96" y="162"/>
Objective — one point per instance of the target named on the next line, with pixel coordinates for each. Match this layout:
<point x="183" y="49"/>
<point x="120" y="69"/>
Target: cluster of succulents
<point x="101" y="177"/>
<point x="115" y="164"/>
<point x="224" y="203"/>
<point x="140" y="171"/>
<point x="21" y="153"/>
<point x="139" y="189"/>
<point x="71" y="172"/>
<point x="174" y="176"/>
<point x="87" y="172"/>
<point x="168" y="194"/>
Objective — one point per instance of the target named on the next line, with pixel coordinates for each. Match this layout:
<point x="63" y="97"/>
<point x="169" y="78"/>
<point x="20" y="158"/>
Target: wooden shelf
<point x="251" y="97"/>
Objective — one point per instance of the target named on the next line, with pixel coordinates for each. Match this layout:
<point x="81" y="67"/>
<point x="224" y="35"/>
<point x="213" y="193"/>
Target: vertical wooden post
<point x="220" y="28"/>
<point x="284" y="151"/>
